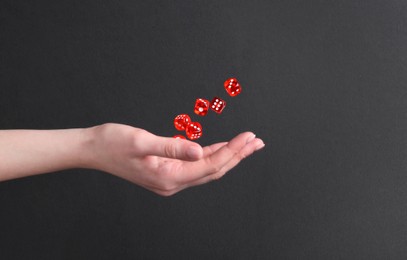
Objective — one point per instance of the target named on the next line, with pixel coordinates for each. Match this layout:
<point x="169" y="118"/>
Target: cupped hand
<point x="164" y="165"/>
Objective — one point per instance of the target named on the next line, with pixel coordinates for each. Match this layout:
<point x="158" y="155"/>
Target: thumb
<point x="172" y="148"/>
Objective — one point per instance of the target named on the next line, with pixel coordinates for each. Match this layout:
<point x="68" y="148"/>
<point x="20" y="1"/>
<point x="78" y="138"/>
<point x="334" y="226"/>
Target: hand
<point x="164" y="165"/>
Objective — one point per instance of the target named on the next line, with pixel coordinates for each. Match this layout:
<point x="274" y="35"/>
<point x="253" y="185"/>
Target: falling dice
<point x="232" y="87"/>
<point x="194" y="130"/>
<point x="218" y="105"/>
<point x="181" y="121"/>
<point x="201" y="106"/>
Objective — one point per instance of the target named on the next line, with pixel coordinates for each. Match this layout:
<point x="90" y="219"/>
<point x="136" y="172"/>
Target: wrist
<point x="86" y="151"/>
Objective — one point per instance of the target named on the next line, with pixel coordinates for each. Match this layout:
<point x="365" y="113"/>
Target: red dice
<point x="232" y="87"/>
<point x="181" y="121"/>
<point x="201" y="106"/>
<point x="218" y="105"/>
<point x="194" y="130"/>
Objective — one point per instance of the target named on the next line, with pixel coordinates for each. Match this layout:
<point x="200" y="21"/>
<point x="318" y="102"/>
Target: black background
<point x="324" y="85"/>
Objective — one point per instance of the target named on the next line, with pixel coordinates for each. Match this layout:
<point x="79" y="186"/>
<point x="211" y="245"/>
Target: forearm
<point x="30" y="152"/>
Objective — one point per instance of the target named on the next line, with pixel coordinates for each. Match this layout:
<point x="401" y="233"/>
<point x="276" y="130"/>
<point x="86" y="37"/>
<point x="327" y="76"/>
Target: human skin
<point x="164" y="165"/>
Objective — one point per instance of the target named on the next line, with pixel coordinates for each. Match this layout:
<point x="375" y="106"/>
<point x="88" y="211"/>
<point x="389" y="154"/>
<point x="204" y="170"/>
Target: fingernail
<point x="251" y="138"/>
<point x="260" y="146"/>
<point x="193" y="152"/>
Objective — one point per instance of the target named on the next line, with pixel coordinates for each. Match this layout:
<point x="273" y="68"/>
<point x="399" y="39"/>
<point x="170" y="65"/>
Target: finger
<point x="246" y="151"/>
<point x="169" y="147"/>
<point x="214" y="162"/>
<point x="208" y="150"/>
<point x="163" y="187"/>
<point x="173" y="166"/>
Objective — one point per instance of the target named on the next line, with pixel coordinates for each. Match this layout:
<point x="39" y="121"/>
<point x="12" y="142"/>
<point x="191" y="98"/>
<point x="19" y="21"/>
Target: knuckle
<point x="213" y="167"/>
<point x="170" y="150"/>
<point x="241" y="156"/>
<point x="137" y="139"/>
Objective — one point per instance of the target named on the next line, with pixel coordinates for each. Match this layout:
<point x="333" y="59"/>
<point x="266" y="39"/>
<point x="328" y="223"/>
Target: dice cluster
<point x="193" y="130"/>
